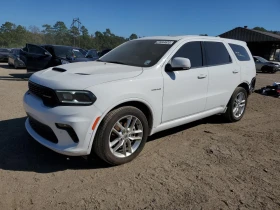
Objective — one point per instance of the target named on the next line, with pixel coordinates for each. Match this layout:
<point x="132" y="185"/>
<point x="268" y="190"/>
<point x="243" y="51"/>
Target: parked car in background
<point x="4" y="54"/>
<point x="83" y="51"/>
<point x="264" y="65"/>
<point x="103" y="52"/>
<point x="92" y="54"/>
<point x="41" y="57"/>
<point x="110" y="106"/>
<point x="14" y="59"/>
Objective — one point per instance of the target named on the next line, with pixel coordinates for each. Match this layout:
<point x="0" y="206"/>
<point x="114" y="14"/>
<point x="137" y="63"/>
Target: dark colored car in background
<point x="4" y="54"/>
<point x="265" y="66"/>
<point x="37" y="57"/>
<point x="14" y="59"/>
<point x="92" y="54"/>
<point x="103" y="52"/>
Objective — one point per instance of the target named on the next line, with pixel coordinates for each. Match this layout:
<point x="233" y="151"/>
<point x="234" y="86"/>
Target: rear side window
<point x="192" y="51"/>
<point x="216" y="53"/>
<point x="240" y="52"/>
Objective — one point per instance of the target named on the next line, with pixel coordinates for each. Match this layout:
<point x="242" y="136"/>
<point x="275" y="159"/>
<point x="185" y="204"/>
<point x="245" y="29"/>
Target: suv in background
<point x="4" y="54"/>
<point x="110" y="106"/>
<point x="41" y="57"/>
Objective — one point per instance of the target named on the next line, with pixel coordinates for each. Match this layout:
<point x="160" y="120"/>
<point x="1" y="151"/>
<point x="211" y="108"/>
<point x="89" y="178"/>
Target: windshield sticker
<point x="164" y="42"/>
<point x="75" y="50"/>
<point x="147" y="62"/>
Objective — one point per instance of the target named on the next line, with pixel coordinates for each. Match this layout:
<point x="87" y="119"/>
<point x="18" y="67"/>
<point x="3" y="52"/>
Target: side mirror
<point x="89" y="56"/>
<point x="47" y="53"/>
<point x="178" y="64"/>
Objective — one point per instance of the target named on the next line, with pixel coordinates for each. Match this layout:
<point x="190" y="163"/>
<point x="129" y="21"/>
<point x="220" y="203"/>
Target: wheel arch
<point x="145" y="108"/>
<point x="246" y="86"/>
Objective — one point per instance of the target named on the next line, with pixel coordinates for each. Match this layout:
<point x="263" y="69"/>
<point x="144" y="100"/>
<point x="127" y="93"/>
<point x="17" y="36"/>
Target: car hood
<point x="271" y="64"/>
<point x="83" y="75"/>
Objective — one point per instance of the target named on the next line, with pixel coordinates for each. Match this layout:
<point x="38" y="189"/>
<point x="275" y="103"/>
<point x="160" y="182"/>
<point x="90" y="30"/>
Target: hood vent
<point x="58" y="69"/>
<point x="82" y="73"/>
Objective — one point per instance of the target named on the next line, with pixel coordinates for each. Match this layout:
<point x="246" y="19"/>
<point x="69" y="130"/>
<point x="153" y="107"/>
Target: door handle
<point x="235" y="72"/>
<point x="202" y="76"/>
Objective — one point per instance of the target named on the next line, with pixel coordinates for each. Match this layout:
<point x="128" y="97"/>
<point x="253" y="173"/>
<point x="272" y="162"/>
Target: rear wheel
<point x="237" y="105"/>
<point x="121" y="136"/>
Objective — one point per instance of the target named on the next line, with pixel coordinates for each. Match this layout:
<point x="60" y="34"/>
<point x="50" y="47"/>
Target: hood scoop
<point x="58" y="69"/>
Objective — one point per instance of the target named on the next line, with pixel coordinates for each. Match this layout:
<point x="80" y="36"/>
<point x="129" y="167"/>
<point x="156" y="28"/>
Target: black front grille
<point x="43" y="130"/>
<point x="46" y="94"/>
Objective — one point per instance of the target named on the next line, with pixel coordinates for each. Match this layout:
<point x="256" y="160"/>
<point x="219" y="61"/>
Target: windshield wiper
<point x="117" y="62"/>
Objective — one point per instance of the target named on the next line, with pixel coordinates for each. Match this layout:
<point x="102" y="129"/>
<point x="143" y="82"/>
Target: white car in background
<point x="110" y="106"/>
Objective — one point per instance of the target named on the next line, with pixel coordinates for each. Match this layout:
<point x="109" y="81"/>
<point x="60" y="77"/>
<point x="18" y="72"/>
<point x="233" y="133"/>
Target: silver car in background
<point x="264" y="65"/>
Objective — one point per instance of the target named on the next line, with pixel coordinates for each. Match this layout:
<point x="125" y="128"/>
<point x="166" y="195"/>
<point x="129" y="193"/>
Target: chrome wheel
<point x="125" y="136"/>
<point x="239" y="105"/>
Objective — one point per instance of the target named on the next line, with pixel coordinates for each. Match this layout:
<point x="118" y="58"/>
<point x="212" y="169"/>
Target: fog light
<point x="69" y="130"/>
<point x="67" y="96"/>
<point x="60" y="125"/>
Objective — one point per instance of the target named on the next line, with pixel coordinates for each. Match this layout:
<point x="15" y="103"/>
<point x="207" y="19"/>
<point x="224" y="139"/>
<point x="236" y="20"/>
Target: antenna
<point x="76" y="22"/>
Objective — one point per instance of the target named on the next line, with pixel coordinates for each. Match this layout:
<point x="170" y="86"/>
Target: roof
<point x="250" y="35"/>
<point x="177" y="38"/>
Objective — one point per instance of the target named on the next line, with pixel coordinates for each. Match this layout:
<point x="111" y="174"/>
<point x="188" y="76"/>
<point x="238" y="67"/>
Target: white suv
<point x="110" y="106"/>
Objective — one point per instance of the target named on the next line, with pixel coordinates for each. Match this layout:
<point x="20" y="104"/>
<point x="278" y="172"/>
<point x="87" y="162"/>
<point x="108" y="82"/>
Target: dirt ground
<point x="203" y="165"/>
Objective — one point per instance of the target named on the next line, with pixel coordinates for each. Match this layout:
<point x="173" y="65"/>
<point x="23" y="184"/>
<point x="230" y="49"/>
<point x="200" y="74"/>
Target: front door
<point x="185" y="91"/>
<point x="37" y="58"/>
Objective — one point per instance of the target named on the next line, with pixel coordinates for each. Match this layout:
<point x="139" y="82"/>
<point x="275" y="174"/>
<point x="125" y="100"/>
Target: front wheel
<point x="121" y="135"/>
<point x="237" y="105"/>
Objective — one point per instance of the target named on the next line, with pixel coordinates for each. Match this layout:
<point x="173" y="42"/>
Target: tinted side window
<point x="35" y="50"/>
<point x="240" y="52"/>
<point x="192" y="51"/>
<point x="216" y="53"/>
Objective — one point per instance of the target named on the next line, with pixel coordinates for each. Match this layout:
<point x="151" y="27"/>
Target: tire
<point x="263" y="69"/>
<point x="230" y="115"/>
<point x="9" y="63"/>
<point x="105" y="135"/>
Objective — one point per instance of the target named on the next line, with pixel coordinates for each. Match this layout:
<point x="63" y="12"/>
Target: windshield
<point x="142" y="53"/>
<point x="4" y="50"/>
<point x="262" y="59"/>
<point x="77" y="53"/>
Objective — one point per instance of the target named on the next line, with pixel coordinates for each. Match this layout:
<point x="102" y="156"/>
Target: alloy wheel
<point x="126" y="136"/>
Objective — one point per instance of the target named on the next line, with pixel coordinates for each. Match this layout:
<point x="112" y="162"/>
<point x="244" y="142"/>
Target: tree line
<point x="16" y="36"/>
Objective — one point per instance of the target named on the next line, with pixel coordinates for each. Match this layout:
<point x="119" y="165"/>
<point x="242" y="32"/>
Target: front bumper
<point x="20" y="63"/>
<point x="80" y="118"/>
<point x="4" y="58"/>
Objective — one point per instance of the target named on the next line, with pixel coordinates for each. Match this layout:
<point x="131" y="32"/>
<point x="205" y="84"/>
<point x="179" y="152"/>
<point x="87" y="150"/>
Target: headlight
<point x="75" y="97"/>
<point x="64" y="61"/>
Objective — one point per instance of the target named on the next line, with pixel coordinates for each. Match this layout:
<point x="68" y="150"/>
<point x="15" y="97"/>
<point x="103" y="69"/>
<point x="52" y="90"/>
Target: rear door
<point x="224" y="74"/>
<point x="37" y="58"/>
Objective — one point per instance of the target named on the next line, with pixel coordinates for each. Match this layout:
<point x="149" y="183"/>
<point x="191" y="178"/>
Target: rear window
<point x="240" y="52"/>
<point x="61" y="51"/>
<point x="35" y="49"/>
<point x="216" y="53"/>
